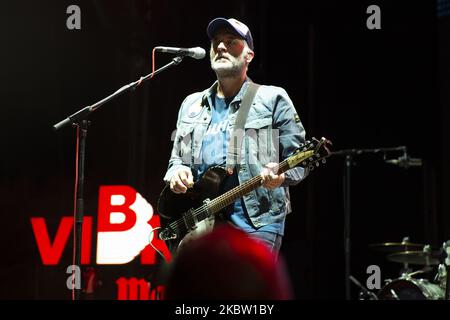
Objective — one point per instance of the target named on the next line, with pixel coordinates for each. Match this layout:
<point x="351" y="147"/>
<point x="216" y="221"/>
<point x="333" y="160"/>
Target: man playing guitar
<point x="206" y="121"/>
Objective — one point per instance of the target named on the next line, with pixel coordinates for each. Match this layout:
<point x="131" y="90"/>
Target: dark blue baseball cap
<point x="240" y="28"/>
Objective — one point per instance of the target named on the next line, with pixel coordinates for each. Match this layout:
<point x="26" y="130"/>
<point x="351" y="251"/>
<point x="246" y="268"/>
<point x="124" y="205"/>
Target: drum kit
<point x="412" y="285"/>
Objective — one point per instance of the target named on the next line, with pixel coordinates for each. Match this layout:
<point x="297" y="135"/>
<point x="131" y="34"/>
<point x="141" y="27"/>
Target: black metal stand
<point x="83" y="113"/>
<point x="81" y="151"/>
<point x="347" y="211"/>
<point x="348" y="163"/>
<point x="78" y="119"/>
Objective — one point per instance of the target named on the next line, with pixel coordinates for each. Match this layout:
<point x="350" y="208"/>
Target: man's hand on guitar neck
<point x="181" y="180"/>
<point x="271" y="180"/>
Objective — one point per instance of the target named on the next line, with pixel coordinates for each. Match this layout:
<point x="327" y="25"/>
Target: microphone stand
<point x="78" y="120"/>
<point x="349" y="155"/>
<point x="83" y="113"/>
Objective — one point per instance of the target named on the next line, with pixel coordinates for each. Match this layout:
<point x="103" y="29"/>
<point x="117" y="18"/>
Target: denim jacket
<point x="276" y="133"/>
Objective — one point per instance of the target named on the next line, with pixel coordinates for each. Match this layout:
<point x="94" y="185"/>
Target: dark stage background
<point x="360" y="88"/>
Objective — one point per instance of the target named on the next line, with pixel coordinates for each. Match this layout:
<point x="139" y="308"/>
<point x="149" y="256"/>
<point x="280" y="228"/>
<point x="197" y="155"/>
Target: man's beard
<point x="231" y="68"/>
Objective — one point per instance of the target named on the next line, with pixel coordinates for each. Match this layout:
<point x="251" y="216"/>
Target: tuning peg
<point x="317" y="164"/>
<point x="324" y="160"/>
<point x="311" y="168"/>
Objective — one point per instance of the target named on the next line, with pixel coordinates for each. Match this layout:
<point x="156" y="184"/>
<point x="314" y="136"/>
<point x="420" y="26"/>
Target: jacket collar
<point x="211" y="91"/>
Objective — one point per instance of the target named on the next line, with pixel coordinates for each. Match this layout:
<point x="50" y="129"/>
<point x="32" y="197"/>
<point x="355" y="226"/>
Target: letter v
<point x="51" y="253"/>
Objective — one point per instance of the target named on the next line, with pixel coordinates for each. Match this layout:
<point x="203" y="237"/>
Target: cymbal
<point x="414" y="257"/>
<point x="396" y="246"/>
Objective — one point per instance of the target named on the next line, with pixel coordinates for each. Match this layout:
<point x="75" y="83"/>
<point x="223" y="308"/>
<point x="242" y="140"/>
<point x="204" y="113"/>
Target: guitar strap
<point x="234" y="147"/>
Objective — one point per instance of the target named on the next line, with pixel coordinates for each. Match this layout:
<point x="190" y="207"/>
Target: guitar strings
<point x="216" y="203"/>
<point x="220" y="202"/>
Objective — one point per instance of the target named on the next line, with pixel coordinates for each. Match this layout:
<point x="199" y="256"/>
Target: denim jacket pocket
<point x="259" y="147"/>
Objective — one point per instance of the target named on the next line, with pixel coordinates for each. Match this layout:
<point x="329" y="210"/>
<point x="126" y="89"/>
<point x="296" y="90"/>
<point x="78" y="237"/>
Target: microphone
<point x="405" y="161"/>
<point x="196" y="53"/>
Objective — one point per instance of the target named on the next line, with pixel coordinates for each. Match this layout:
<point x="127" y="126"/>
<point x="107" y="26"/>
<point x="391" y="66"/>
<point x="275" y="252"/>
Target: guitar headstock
<point x="311" y="154"/>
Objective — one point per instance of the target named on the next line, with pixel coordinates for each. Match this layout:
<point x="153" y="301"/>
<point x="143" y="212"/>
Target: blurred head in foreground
<point x="227" y="264"/>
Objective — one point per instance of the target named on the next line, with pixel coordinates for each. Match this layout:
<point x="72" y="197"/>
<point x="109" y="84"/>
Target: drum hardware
<point x="364" y="294"/>
<point x="392" y="247"/>
<point x="441" y="276"/>
<point x="395" y="247"/>
<point x="424" y="270"/>
<point x="407" y="275"/>
<point x="446" y="268"/>
<point x="425" y="257"/>
<point x="408" y="288"/>
<point x="405" y="270"/>
<point x="394" y="295"/>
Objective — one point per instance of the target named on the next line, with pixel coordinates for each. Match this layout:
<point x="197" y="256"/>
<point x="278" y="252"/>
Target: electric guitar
<point x="188" y="215"/>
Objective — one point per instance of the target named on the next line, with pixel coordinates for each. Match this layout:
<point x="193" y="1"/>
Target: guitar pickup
<point x="190" y="220"/>
<point x="206" y="207"/>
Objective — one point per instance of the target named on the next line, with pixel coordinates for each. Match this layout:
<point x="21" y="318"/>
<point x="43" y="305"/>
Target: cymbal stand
<point x="349" y="156"/>
<point x="406" y="270"/>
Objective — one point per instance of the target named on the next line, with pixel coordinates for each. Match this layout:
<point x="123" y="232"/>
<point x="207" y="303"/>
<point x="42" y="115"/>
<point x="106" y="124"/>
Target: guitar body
<point x="188" y="215"/>
<point x="172" y="206"/>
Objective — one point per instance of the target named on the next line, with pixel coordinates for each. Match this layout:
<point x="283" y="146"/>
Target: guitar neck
<point x="232" y="195"/>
